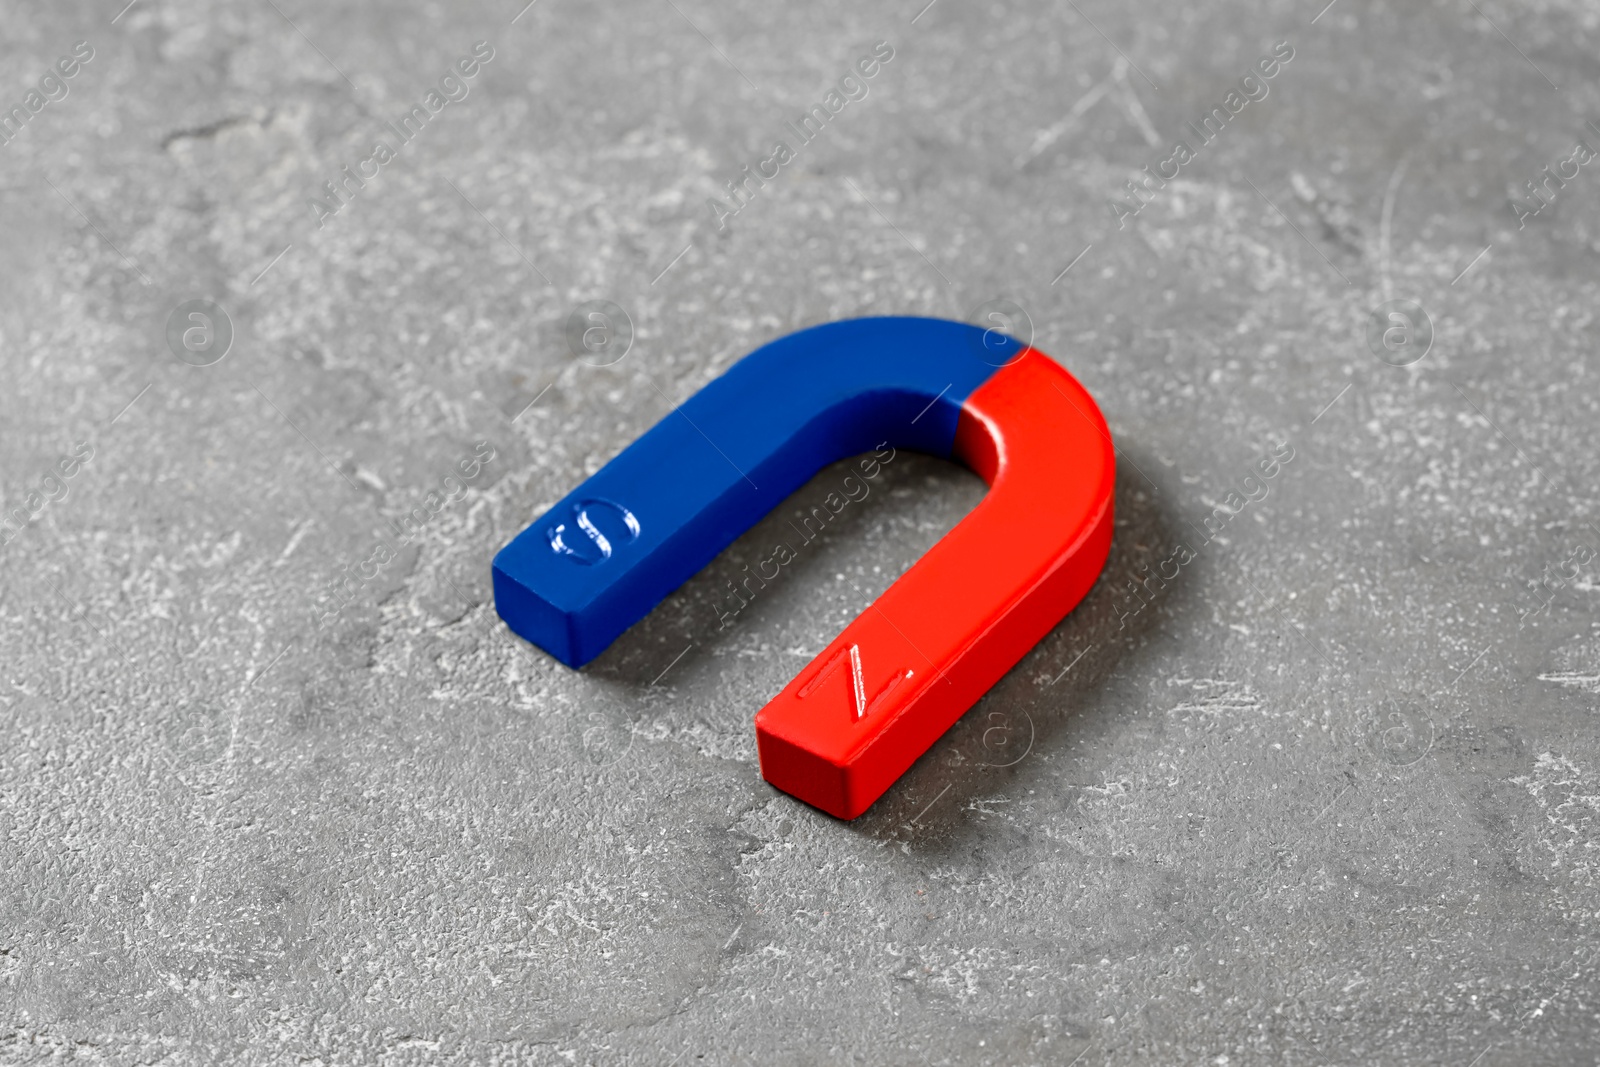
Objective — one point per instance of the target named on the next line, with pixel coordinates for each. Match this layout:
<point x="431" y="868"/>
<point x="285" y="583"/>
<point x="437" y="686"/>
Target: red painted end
<point x="903" y="672"/>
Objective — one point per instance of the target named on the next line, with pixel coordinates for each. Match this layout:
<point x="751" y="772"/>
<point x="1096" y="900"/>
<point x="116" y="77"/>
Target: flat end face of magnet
<point x="533" y="618"/>
<point x="807" y="776"/>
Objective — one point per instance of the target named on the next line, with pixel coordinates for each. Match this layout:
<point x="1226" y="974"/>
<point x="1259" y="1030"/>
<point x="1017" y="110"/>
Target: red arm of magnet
<point x="904" y="671"/>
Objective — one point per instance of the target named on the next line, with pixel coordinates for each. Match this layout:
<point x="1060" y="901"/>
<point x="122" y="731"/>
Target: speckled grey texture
<point x="1328" y="797"/>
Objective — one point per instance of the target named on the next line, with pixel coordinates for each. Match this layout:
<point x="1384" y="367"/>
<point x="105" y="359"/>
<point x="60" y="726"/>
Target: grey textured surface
<point x="1329" y="799"/>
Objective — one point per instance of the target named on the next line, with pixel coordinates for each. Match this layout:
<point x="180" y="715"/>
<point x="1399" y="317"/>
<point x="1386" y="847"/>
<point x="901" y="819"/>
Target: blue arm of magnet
<point x="646" y="522"/>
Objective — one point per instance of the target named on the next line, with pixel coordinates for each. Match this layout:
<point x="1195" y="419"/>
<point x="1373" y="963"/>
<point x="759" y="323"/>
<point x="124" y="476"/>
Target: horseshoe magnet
<point x="885" y="689"/>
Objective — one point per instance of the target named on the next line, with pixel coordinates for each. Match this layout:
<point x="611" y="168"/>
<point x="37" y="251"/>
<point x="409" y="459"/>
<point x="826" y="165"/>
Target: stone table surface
<point x="1325" y="789"/>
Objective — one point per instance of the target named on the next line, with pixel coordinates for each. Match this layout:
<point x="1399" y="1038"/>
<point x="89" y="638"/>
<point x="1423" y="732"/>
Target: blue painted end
<point x="641" y="526"/>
